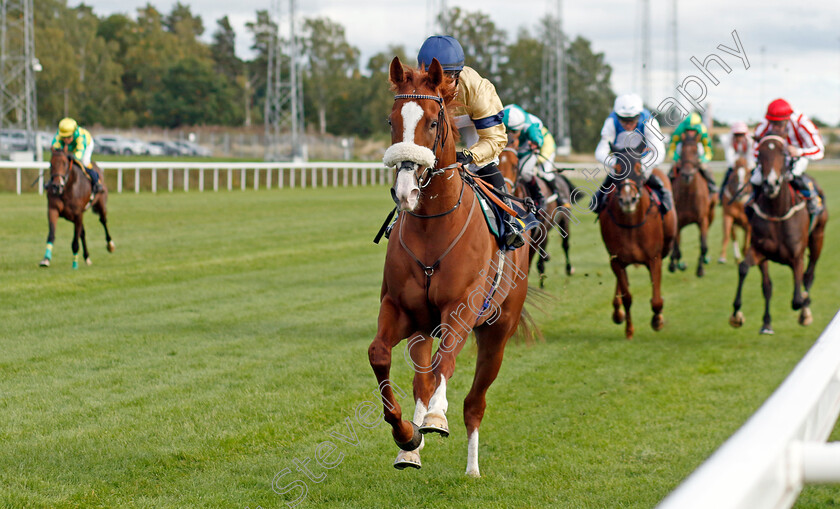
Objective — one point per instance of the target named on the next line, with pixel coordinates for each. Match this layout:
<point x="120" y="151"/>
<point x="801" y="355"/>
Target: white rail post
<point x="335" y="177"/>
<point x="303" y="178"/>
<point x="154" y="180"/>
<point x="292" y="178"/>
<point x="41" y="181"/>
<point x="268" y="177"/>
<point x="136" y="180"/>
<point x="186" y="179"/>
<point x="230" y="179"/>
<point x="256" y="179"/>
<point x="201" y="180"/>
<point x="215" y="179"/>
<point x="242" y="178"/>
<point x="17" y="180"/>
<point x="344" y="177"/>
<point x="170" y="175"/>
<point x="280" y="175"/>
<point x="324" y="176"/>
<point x="119" y="180"/>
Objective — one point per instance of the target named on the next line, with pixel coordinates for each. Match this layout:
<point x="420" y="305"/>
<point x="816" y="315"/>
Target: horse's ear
<point x="435" y="74"/>
<point x="396" y="71"/>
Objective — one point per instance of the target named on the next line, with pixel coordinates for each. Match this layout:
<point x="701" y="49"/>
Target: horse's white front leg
<point x="472" y="455"/>
<point x="412" y="458"/>
<point x="435" y="418"/>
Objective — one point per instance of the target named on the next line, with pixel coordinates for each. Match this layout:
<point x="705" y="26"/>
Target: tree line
<point x="154" y="69"/>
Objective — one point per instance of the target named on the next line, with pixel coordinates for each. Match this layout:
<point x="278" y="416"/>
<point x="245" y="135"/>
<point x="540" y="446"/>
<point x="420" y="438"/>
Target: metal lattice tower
<point x="436" y="19"/>
<point x="645" y="54"/>
<point x="554" y="82"/>
<point x="18" y="104"/>
<point x="284" y="91"/>
<point x="675" y="62"/>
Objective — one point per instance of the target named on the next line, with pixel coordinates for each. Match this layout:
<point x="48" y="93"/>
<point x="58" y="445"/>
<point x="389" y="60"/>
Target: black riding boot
<point x="534" y="192"/>
<point x="723" y="184"/>
<point x="666" y="203"/>
<point x="600" y="199"/>
<point x="96" y="184"/>
<point x="493" y="176"/>
<point x="709" y="180"/>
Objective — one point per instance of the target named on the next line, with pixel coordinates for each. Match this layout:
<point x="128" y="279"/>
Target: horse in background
<point x="444" y="275"/>
<point x="781" y="231"/>
<point x="735" y="195"/>
<point x="634" y="232"/>
<point x="68" y="196"/>
<point x="692" y="201"/>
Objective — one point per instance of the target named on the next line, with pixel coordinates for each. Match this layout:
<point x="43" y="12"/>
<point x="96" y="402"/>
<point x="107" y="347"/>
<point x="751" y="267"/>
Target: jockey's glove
<point x="464" y="157"/>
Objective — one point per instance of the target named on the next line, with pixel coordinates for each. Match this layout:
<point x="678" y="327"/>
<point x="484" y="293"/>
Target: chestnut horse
<point x="736" y="193"/>
<point x="68" y="196"/>
<point x="692" y="201"/>
<point x="780" y="233"/>
<point x="441" y="268"/>
<point x="634" y="232"/>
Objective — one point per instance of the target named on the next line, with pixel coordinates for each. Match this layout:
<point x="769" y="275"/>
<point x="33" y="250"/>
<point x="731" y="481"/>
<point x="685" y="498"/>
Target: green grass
<point x="226" y="338"/>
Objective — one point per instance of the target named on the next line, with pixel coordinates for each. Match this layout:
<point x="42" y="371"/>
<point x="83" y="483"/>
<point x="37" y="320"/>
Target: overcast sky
<point x="801" y="58"/>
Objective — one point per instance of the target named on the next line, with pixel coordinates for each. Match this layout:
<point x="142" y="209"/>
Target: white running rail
<point x="781" y="447"/>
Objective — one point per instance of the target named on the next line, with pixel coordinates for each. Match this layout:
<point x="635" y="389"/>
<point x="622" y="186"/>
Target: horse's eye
<point x="433" y="125"/>
<point x="389" y="121"/>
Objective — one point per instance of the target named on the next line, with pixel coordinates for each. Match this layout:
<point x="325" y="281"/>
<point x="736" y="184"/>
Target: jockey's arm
<point x="485" y="110"/>
<point x="707" y="144"/>
<point x="812" y="144"/>
<point x="602" y="151"/>
<point x="655" y="152"/>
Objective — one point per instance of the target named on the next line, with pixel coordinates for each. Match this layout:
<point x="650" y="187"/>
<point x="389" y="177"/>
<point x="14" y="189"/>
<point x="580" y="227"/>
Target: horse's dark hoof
<point x="45" y="263"/>
<point x="542" y="280"/>
<point x="618" y="316"/>
<point x="805" y="317"/>
<point x="737" y="319"/>
<point x="700" y="271"/>
<point x="415" y="441"/>
<point x="767" y="330"/>
<point x="657" y="322"/>
<point x="570" y="270"/>
<point x="111" y="246"/>
<point x="672" y="267"/>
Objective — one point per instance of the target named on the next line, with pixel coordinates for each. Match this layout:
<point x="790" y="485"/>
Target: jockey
<point x="739" y="145"/>
<point x="803" y="143"/>
<point x="536" y="149"/>
<point x="79" y="142"/>
<point x="629" y="117"/>
<point x="694" y="122"/>
<point x="478" y="117"/>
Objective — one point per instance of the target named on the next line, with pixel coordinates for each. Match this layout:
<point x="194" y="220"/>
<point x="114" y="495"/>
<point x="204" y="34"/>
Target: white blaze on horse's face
<point x="409" y="158"/>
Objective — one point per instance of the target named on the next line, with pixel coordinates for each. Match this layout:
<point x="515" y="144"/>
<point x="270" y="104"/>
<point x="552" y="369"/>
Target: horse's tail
<point x="528" y="329"/>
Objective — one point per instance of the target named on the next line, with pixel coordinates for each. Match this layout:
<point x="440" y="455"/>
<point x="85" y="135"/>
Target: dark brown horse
<point x="780" y="233"/>
<point x="441" y="267"/>
<point x="736" y="193"/>
<point x="692" y="201"/>
<point x="68" y="196"/>
<point x="634" y="232"/>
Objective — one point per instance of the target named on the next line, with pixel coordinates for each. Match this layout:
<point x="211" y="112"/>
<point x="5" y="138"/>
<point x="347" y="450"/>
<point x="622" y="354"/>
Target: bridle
<point x="440" y="139"/>
<point x="57" y="189"/>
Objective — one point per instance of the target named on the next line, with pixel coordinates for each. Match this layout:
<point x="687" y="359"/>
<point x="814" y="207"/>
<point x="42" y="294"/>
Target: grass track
<point x="227" y="336"/>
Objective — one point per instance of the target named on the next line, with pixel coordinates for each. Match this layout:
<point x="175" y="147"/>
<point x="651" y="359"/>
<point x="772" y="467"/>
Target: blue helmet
<point x="446" y="49"/>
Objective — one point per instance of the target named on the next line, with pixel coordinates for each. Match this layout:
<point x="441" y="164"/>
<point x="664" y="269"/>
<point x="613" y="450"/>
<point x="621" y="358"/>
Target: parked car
<point x="113" y="144"/>
<point x="167" y="147"/>
<point x="154" y="150"/>
<point x="13" y="140"/>
<point x="193" y="149"/>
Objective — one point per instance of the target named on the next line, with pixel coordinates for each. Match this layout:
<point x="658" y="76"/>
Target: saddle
<point x="500" y="217"/>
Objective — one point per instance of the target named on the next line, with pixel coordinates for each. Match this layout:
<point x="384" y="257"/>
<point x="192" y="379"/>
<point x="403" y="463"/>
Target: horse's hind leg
<point x="569" y="269"/>
<point x="704" y="248"/>
<point x="767" y="290"/>
<point x="420" y="352"/>
<point x="85" y="252"/>
<point x="77" y="233"/>
<point x="737" y="318"/>
<point x="656" y="302"/>
<point x="727" y="234"/>
<point x="676" y="256"/>
<point x="618" y="313"/>
<point x="620" y="272"/>
<point x="100" y="209"/>
<point x="491" y="344"/>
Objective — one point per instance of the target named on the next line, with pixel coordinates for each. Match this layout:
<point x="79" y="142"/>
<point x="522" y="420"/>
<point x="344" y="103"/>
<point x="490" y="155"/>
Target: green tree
<point x="208" y="100"/>
<point x="331" y="63"/>
<point x="591" y="97"/>
<point x="223" y="50"/>
<point x="521" y="74"/>
<point x="262" y="30"/>
<point x="482" y="41"/>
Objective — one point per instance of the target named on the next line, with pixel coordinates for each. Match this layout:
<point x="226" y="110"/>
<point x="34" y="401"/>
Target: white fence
<point x="160" y="176"/>
<point x="781" y="447"/>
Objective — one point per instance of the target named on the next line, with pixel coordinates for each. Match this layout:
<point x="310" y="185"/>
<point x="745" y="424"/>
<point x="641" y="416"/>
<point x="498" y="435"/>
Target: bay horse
<point x="68" y="196"/>
<point x="634" y="232"/>
<point x="692" y="201"/>
<point x="736" y="193"/>
<point x="555" y="212"/>
<point x="781" y="232"/>
<point x="441" y="266"/>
